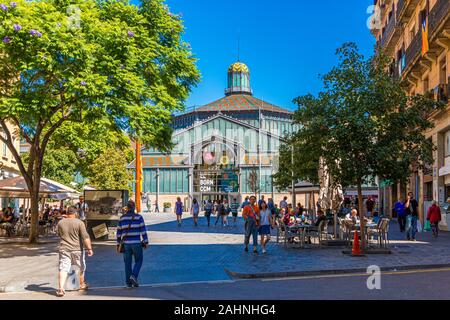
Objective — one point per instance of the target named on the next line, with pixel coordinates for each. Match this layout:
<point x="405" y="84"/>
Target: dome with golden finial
<point x="238" y="79"/>
<point x="238" y="67"/>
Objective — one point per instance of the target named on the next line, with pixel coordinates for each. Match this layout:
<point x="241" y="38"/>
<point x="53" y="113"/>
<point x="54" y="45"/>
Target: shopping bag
<point x="419" y="226"/>
<point x="73" y="279"/>
<point x="427" y="226"/>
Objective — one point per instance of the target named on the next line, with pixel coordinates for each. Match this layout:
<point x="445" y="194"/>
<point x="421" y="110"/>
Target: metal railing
<point x="414" y="49"/>
<point x="440" y="11"/>
<point x="387" y="35"/>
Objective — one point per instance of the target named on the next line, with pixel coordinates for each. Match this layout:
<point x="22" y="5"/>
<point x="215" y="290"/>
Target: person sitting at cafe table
<point x="320" y="217"/>
<point x="353" y="216"/>
<point x="7" y="221"/>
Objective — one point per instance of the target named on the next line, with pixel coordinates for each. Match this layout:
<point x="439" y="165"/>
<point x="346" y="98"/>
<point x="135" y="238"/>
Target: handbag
<point x="427" y="226"/>
<point x="121" y="248"/>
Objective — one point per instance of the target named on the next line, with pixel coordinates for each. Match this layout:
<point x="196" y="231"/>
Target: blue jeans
<point x="411" y="233"/>
<point x="251" y="229"/>
<point x="132" y="250"/>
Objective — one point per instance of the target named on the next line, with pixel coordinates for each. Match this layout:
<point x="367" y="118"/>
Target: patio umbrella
<point x="17" y="188"/>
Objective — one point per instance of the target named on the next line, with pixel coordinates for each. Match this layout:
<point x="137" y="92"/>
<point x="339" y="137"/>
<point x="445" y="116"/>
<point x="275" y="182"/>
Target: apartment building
<point x="8" y="165"/>
<point x="416" y="34"/>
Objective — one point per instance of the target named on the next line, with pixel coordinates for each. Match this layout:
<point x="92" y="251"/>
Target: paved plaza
<point x="199" y="256"/>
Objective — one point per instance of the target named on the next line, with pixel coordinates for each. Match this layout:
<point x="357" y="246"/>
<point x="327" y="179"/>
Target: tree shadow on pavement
<point x="28" y="250"/>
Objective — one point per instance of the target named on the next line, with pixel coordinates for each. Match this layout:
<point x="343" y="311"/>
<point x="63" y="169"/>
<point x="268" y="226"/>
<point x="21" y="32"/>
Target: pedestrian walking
<point x="179" y="210"/>
<point x="131" y="240"/>
<point x="220" y="212"/>
<point x="195" y="210"/>
<point x="82" y="210"/>
<point x="434" y="216"/>
<point x="245" y="203"/>
<point x="266" y="224"/>
<point x="226" y="213"/>
<point x="284" y="204"/>
<point x="261" y="201"/>
<point x="370" y="205"/>
<point x="399" y="207"/>
<point x="252" y="218"/>
<point x="74" y="243"/>
<point x="271" y="206"/>
<point x="411" y="208"/>
<point x="234" y="210"/>
<point x="208" y="211"/>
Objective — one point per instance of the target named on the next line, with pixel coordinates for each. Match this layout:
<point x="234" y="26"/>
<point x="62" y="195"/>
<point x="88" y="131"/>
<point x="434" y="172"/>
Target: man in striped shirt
<point x="132" y="233"/>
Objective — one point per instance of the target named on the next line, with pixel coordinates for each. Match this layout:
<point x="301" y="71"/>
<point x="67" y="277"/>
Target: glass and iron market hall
<point x="227" y="149"/>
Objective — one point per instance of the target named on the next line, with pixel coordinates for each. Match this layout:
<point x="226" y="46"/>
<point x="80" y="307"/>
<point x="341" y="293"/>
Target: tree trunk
<point x="34" y="208"/>
<point x="361" y="216"/>
<point x="34" y="189"/>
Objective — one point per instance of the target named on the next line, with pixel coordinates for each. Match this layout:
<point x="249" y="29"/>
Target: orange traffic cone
<point x="356" y="251"/>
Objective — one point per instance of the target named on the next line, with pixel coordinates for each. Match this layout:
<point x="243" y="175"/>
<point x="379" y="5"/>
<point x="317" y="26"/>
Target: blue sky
<point x="285" y="43"/>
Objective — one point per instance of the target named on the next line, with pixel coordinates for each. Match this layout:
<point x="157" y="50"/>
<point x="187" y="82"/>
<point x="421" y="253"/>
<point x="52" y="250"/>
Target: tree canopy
<point x="106" y="63"/>
<point x="361" y="125"/>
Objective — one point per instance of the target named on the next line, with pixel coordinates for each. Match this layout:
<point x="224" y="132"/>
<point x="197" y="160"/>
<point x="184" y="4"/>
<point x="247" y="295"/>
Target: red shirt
<point x="434" y="214"/>
<point x="248" y="212"/>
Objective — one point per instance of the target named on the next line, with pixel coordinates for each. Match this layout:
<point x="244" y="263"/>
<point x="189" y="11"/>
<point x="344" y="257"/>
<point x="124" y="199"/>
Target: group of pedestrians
<point x="258" y="219"/>
<point x="408" y="216"/>
<point x="75" y="243"/>
<point x="220" y="208"/>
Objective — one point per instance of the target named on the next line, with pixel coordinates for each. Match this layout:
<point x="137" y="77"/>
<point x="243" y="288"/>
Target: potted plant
<point x="167" y="207"/>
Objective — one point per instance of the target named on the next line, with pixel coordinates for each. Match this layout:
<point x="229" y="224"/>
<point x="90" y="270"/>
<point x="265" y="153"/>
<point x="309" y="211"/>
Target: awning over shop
<point x="17" y="188"/>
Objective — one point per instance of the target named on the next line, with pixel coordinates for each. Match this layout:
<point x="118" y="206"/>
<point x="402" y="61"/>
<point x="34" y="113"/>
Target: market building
<point x="226" y="149"/>
<point x="416" y="34"/>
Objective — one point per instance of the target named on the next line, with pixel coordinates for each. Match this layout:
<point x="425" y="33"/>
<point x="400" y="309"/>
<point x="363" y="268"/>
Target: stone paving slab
<point x="190" y="254"/>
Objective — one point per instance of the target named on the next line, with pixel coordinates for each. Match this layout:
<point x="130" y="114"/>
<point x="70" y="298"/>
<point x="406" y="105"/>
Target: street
<point x="192" y="263"/>
<point x="419" y="284"/>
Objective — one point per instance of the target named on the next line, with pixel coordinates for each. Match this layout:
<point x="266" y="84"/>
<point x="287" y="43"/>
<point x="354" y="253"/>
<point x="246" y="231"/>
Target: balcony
<point x="405" y="10"/>
<point x="414" y="50"/>
<point x="388" y="33"/>
<point x="440" y="93"/>
<point x="438" y="15"/>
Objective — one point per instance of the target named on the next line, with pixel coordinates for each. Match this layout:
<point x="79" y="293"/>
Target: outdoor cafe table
<point x="368" y="225"/>
<point x="305" y="228"/>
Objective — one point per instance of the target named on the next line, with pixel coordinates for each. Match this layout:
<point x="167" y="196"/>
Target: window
<point x="426" y="85"/>
<point x="447" y="144"/>
<point x="5" y="148"/>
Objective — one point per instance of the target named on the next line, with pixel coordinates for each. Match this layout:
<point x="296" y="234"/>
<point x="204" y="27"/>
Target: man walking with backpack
<point x="131" y="239"/>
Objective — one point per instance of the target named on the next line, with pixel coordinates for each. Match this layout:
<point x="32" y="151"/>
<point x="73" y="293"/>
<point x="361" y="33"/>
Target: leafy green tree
<point x="58" y="164"/>
<point x="110" y="171"/>
<point x="87" y="61"/>
<point x="362" y="125"/>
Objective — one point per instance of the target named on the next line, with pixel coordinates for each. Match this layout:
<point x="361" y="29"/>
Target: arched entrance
<point x="216" y="170"/>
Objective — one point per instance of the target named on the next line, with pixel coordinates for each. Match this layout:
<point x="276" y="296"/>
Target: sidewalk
<point x="196" y="254"/>
<point x="426" y="252"/>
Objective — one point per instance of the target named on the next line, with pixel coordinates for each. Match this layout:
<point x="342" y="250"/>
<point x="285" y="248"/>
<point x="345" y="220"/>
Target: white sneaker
<point x="264" y="251"/>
